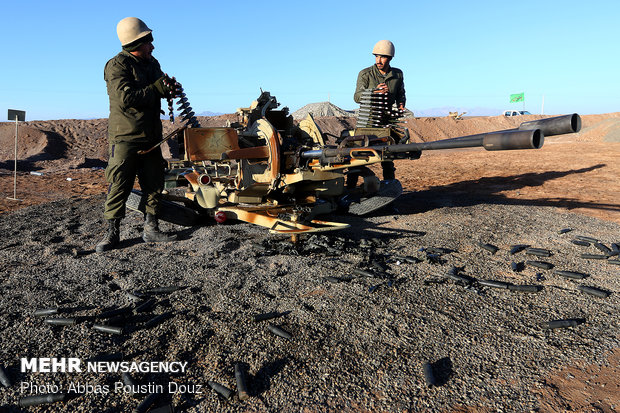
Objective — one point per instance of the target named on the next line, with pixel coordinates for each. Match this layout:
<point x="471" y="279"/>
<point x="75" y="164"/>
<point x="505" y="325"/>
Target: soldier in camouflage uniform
<point x="135" y="85"/>
<point x="385" y="79"/>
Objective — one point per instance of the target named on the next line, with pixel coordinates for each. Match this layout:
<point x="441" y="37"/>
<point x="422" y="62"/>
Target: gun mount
<point x="268" y="171"/>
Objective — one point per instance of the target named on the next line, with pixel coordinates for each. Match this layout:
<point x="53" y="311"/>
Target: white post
<point x="542" y="110"/>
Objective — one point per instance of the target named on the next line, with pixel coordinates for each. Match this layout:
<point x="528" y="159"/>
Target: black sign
<point x="19" y="115"/>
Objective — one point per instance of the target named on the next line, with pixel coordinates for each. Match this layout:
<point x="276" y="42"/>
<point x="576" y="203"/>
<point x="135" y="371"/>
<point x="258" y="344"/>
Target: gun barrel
<point x="558" y="125"/>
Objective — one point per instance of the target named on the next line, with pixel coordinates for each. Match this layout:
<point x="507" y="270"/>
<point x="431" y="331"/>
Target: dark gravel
<point x="358" y="343"/>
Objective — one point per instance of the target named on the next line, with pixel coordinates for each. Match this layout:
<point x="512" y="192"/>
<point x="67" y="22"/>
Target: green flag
<point x="517" y="97"/>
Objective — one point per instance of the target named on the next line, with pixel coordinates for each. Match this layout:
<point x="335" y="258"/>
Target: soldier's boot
<point x="152" y="233"/>
<point x="112" y="237"/>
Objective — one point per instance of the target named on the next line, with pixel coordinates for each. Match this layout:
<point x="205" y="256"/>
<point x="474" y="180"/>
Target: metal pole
<point x="542" y="110"/>
<point x="15" y="169"/>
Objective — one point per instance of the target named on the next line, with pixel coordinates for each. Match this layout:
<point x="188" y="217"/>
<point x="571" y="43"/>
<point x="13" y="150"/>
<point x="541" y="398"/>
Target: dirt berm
<point x="359" y="341"/>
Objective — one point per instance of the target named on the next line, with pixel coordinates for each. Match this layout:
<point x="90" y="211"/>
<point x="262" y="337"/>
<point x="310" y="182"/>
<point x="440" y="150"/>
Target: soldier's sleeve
<point x="400" y="93"/>
<point x="121" y="83"/>
<point x="362" y="83"/>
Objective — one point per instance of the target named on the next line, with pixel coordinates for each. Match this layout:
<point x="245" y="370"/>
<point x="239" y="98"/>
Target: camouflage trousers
<point x="124" y="165"/>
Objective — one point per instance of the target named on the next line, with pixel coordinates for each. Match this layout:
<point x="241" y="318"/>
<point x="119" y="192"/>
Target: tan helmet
<point x="131" y="29"/>
<point x="384" y="47"/>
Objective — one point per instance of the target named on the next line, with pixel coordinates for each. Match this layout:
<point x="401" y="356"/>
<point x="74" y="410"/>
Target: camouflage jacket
<point x="371" y="77"/>
<point x="134" y="103"/>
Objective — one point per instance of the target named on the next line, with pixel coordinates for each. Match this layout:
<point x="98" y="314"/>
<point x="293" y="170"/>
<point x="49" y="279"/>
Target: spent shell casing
<point x="145" y="306"/>
<point x="157" y="320"/>
<point x="165" y="290"/>
<point x="525" y="288"/>
<point x="60" y="321"/>
<point x="4" y="377"/>
<point x="517" y="248"/>
<point x="42" y="399"/>
<point x="438" y="250"/>
<point x="571" y="274"/>
<point x="129" y="381"/>
<point x="615" y="247"/>
<point x="363" y="273"/>
<point x="429" y="376"/>
<point x="564" y="230"/>
<point x="333" y="279"/>
<point x="108" y="329"/>
<point x="378" y="265"/>
<point x="223" y="391"/>
<point x="494" y="284"/>
<point x="593" y="291"/>
<point x="588" y="239"/>
<point x="539" y="252"/>
<point x="168" y="408"/>
<point x="269" y="316"/>
<point x="46" y="311"/>
<point x="145" y="404"/>
<point x="242" y="388"/>
<point x="603" y="248"/>
<point x="454" y="275"/>
<point x="593" y="256"/>
<point x="516" y="266"/>
<point x="580" y="242"/>
<point x="550" y="325"/>
<point x="489" y="247"/>
<point x="616" y="262"/>
<point x="114" y="312"/>
<point x="540" y="264"/>
<point x="279" y="332"/>
<point x="134" y="297"/>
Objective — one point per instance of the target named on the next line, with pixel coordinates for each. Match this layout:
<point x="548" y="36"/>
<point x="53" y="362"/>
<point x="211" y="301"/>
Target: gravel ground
<point x="357" y="345"/>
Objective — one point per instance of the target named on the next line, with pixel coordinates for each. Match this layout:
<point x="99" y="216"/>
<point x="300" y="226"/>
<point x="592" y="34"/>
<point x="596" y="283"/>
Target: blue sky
<point x="462" y="54"/>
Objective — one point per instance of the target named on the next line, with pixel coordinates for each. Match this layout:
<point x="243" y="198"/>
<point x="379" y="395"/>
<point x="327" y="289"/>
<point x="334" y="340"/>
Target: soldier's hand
<point x="381" y="88"/>
<point x="167" y="87"/>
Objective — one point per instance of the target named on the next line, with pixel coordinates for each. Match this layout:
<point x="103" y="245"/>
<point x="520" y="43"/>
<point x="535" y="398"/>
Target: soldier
<point x="385" y="79"/>
<point x="135" y="85"/>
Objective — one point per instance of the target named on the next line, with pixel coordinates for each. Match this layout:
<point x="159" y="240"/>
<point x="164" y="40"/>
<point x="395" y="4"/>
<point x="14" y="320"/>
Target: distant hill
<point x="209" y="113"/>
<point x="445" y="111"/>
<point x="321" y="109"/>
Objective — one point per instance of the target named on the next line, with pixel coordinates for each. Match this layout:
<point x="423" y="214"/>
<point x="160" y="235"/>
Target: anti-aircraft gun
<point x="266" y="170"/>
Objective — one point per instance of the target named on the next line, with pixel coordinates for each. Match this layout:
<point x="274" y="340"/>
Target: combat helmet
<point x="384" y="48"/>
<point x="131" y="29"/>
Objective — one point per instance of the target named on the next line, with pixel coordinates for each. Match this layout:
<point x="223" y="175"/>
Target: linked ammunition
<point x="146" y="403"/>
<point x="588" y="239"/>
<point x="540" y="264"/>
<point x="223" y="391"/>
<point x="157" y="320"/>
<point x="539" y="252"/>
<point x="242" y="388"/>
<point x="165" y="290"/>
<point x="429" y="377"/>
<point x="494" y="284"/>
<point x="279" y="332"/>
<point x="525" y="288"/>
<point x="42" y="399"/>
<point x="593" y="256"/>
<point x="4" y="377"/>
<point x="60" y="321"/>
<point x="489" y="247"/>
<point x="517" y="248"/>
<point x="564" y="230"/>
<point x="46" y="311"/>
<point x="550" y="325"/>
<point x="593" y="291"/>
<point x="108" y="329"/>
<point x="571" y="274"/>
<point x="581" y="243"/>
<point x="603" y="248"/>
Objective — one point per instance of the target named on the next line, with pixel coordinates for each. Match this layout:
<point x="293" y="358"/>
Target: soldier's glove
<point x="167" y="87"/>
